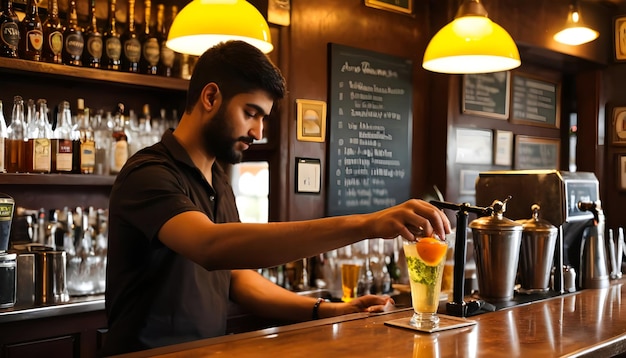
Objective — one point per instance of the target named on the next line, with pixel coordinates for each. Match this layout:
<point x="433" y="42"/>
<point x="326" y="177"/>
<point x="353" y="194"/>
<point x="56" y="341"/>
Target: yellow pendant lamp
<point x="201" y="24"/>
<point x="575" y="32"/>
<point x="471" y="43"/>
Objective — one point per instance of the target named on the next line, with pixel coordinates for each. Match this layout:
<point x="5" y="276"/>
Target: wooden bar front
<point x="585" y="323"/>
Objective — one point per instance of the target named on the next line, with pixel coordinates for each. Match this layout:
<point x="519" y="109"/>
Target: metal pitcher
<point x="497" y="243"/>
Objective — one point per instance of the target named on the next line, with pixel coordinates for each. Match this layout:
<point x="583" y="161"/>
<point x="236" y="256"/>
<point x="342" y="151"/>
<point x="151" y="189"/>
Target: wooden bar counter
<point x="587" y="323"/>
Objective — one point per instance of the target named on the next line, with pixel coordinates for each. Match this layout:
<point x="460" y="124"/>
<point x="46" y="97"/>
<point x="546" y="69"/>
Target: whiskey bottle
<point x="150" y="47"/>
<point x="119" y="142"/>
<point x="111" y="57"/>
<point x="9" y="30"/>
<point x="87" y="144"/>
<point x="31" y="35"/>
<point x="131" y="46"/>
<point x="3" y="137"/>
<point x="92" y="52"/>
<point x="62" y="148"/>
<point x="52" y="35"/>
<point x="38" y="153"/>
<point x="73" y="35"/>
<point x="167" y="55"/>
<point x="14" y="145"/>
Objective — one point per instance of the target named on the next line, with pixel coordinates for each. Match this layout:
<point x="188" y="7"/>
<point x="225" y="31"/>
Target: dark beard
<point x="219" y="140"/>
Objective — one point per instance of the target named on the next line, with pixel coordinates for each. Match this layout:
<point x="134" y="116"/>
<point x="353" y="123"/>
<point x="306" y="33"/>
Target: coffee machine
<point x="558" y="193"/>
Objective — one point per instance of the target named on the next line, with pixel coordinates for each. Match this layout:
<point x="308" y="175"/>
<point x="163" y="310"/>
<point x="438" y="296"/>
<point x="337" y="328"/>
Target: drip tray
<point x="476" y="305"/>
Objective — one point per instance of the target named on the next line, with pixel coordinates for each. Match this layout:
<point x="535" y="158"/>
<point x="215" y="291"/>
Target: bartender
<point x="177" y="251"/>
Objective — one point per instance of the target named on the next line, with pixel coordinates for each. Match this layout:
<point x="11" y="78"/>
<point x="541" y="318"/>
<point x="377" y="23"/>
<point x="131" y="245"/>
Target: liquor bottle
<point x="150" y="46"/>
<point x="111" y="57"/>
<point x="119" y="142"/>
<point x="131" y="47"/>
<point x="38" y="153"/>
<point x="102" y="136"/>
<point x="3" y="137"/>
<point x="87" y="144"/>
<point x="31" y="35"/>
<point x="75" y="134"/>
<point x="9" y="30"/>
<point x="52" y="35"/>
<point x="62" y="149"/>
<point x="167" y="55"/>
<point x="73" y="35"/>
<point x="14" y="146"/>
<point x="92" y="52"/>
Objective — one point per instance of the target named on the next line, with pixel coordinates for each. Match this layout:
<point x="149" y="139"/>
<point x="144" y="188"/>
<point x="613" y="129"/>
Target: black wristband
<point x="316" y="308"/>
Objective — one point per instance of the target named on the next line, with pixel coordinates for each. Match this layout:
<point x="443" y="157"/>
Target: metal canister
<point x="536" y="253"/>
<point x="496" y="252"/>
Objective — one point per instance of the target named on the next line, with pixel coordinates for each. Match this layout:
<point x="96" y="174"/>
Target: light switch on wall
<point x="308" y="176"/>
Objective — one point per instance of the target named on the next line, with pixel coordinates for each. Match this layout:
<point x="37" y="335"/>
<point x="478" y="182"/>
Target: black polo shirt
<point x="154" y="296"/>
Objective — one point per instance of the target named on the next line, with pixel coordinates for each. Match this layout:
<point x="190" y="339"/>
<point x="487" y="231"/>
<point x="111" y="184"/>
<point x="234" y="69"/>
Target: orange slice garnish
<point x="431" y="250"/>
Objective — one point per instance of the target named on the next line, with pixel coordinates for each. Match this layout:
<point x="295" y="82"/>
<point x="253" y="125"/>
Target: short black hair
<point x="236" y="67"/>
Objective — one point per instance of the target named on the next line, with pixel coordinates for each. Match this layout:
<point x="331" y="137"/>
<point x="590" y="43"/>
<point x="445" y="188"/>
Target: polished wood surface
<point x="585" y="323"/>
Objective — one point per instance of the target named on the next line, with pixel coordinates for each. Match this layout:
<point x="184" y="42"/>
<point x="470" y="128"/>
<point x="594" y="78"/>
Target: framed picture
<point x="619" y="38"/>
<point x="474" y="146"/>
<point x="401" y="6"/>
<point x="621" y="172"/>
<point x="311" y="124"/>
<point x="467" y="185"/>
<point x="618" y="126"/>
<point x="536" y="153"/>
<point x="503" y="151"/>
<point x="308" y="175"/>
<point x="536" y="101"/>
<point x="486" y="94"/>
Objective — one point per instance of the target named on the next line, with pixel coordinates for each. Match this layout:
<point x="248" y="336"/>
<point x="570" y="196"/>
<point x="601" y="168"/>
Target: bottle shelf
<point x="83" y="74"/>
<point x="56" y="179"/>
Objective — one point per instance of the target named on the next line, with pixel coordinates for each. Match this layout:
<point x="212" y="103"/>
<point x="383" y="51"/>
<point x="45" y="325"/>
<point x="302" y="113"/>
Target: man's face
<point x="236" y="124"/>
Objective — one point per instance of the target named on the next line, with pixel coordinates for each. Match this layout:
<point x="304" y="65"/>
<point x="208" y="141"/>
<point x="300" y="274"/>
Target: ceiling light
<point x="471" y="43"/>
<point x="201" y="24"/>
<point x="575" y="32"/>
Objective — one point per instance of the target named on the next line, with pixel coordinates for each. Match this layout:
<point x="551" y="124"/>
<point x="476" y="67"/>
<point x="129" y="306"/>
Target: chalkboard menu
<point x="370" y="128"/>
<point x="535" y="102"/>
<point x="487" y="94"/>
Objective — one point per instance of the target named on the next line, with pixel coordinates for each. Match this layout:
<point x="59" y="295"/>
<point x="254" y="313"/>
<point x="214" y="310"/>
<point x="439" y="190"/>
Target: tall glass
<point x="425" y="260"/>
<point x="350" y="273"/>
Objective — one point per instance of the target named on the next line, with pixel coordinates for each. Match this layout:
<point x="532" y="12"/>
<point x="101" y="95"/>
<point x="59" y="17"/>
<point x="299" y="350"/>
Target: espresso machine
<point x="559" y="194"/>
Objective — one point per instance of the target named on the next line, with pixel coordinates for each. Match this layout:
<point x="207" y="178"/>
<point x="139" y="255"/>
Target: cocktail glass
<point x="425" y="260"/>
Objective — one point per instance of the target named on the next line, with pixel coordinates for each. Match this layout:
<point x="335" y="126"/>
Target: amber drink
<point x="425" y="259"/>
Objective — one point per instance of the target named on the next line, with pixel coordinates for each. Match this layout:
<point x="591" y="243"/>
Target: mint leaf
<point x="419" y="272"/>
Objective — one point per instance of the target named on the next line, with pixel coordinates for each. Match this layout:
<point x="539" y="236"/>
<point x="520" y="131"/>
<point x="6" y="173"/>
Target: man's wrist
<point x="316" y="308"/>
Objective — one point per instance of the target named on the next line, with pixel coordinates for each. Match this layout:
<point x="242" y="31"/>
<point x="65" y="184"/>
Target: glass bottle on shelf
<point x="62" y="148"/>
<point x="3" y="137"/>
<point x="30" y="120"/>
<point x="9" y="30"/>
<point x="52" y="35"/>
<point x="112" y="55"/>
<point x="31" y="35"/>
<point x="150" y="48"/>
<point x="167" y="55"/>
<point x="92" y="52"/>
<point x="74" y="40"/>
<point x="38" y="151"/>
<point x="87" y="145"/>
<point x="119" y="142"/>
<point x="102" y="136"/>
<point x="14" y="145"/>
<point x="131" y="46"/>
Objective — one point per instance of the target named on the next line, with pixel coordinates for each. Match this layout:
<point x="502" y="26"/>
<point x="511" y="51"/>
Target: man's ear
<point x="210" y="96"/>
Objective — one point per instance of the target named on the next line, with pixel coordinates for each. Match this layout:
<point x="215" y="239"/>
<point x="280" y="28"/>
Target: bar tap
<point x="458" y="307"/>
